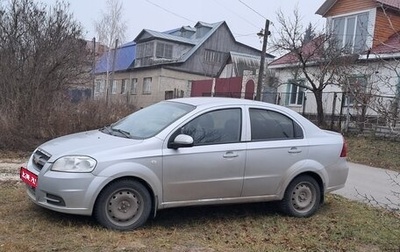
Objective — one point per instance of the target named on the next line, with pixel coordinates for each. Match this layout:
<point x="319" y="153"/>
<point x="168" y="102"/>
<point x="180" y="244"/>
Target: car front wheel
<point x="123" y="205"/>
<point x="302" y="197"/>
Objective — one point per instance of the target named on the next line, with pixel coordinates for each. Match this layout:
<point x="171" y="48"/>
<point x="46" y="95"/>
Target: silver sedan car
<point x="185" y="152"/>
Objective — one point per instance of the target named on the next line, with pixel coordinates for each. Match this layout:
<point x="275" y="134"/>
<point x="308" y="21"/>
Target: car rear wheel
<point x="123" y="205"/>
<point x="302" y="197"/>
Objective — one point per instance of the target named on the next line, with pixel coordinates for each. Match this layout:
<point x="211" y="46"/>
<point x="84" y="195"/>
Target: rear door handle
<point x="230" y="154"/>
<point x="294" y="150"/>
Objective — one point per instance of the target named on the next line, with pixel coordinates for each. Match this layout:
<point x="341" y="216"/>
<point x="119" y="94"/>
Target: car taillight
<point x="344" y="149"/>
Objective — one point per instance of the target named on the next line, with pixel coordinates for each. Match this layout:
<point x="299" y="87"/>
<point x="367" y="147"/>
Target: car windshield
<point x="151" y="120"/>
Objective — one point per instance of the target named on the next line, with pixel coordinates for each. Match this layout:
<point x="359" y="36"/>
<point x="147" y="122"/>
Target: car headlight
<point x="74" y="164"/>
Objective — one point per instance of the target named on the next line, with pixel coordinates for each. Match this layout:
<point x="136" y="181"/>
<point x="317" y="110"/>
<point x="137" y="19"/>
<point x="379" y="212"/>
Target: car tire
<point x="302" y="197"/>
<point x="123" y="205"/>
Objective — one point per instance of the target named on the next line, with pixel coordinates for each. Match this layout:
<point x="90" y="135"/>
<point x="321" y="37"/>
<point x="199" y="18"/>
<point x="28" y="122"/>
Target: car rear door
<point x="277" y="143"/>
<point x="211" y="169"/>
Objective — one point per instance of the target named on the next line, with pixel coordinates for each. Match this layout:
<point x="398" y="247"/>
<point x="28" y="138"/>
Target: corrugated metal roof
<point x="391" y="3"/>
<point x="167" y="36"/>
<point x="125" y="56"/>
<point x="126" y="53"/>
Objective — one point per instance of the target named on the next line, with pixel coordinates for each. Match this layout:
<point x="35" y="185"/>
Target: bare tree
<point x="111" y="26"/>
<point x="111" y="29"/>
<point x="41" y="55"/>
<point x="315" y="64"/>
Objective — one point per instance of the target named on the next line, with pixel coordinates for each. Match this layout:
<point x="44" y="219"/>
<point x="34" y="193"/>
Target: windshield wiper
<point x="106" y="129"/>
<point x="122" y="132"/>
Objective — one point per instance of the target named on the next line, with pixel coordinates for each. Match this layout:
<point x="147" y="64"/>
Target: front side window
<point x="147" y="85"/>
<point x="351" y="32"/>
<point x="269" y="125"/>
<point x="216" y="127"/>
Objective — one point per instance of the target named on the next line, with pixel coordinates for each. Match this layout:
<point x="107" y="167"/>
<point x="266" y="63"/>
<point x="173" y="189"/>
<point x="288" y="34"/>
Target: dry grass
<point x="340" y="225"/>
<point x="374" y="152"/>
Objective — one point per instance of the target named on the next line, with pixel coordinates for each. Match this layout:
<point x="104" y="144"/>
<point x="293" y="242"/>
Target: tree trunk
<point x="320" y="108"/>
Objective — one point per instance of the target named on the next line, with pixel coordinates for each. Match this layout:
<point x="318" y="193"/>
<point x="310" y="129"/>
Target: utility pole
<point x="265" y="34"/>
<point x="111" y="84"/>
<point x="94" y="67"/>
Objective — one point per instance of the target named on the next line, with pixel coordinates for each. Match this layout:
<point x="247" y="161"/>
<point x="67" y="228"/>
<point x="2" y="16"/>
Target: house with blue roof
<point x="162" y="65"/>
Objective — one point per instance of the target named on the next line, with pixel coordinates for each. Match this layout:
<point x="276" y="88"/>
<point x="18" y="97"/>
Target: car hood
<point x="89" y="143"/>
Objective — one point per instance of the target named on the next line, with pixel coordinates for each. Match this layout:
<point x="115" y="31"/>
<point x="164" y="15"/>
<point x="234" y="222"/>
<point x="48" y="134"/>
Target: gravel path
<point x="9" y="169"/>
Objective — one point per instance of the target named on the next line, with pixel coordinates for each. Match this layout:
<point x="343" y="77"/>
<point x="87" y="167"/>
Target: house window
<point x="295" y="94"/>
<point x="213" y="56"/>
<point x="169" y="95"/>
<point x="123" y="86"/>
<point x="351" y="32"/>
<point x="164" y="50"/>
<point x="98" y="86"/>
<point x="145" y="49"/>
<point x="133" y="86"/>
<point x="147" y="85"/>
<point x="357" y="86"/>
<point x="114" y="87"/>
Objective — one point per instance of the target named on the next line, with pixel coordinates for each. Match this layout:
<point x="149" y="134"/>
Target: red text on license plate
<point x="28" y="177"/>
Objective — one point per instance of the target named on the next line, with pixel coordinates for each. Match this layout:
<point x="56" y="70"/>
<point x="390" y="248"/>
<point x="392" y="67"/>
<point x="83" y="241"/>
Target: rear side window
<point x="271" y="125"/>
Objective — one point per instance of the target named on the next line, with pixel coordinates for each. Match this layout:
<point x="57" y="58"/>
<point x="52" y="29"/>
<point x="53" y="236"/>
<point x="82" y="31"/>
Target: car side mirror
<point x="181" y="141"/>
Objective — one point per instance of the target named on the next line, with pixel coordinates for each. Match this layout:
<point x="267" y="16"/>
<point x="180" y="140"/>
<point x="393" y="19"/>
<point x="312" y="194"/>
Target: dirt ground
<point x="9" y="169"/>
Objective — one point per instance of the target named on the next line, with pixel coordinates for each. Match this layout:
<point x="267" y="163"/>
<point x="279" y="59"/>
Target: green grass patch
<point x="340" y="225"/>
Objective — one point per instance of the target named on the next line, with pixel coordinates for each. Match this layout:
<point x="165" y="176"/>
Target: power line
<point x="173" y="13"/>
<point x="252" y="9"/>
<point x="244" y="19"/>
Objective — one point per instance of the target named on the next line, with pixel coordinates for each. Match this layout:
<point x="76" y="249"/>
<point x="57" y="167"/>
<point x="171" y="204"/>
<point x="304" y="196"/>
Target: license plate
<point x="28" y="177"/>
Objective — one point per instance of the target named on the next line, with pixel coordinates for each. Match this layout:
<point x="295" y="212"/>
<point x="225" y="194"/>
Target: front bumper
<point x="72" y="193"/>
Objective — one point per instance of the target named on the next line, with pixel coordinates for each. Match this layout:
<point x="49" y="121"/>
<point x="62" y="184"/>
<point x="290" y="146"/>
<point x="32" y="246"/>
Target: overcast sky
<point x="244" y="17"/>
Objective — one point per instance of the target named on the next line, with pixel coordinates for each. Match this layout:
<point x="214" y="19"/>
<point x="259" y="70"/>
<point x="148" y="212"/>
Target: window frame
<point x="114" y="86"/>
<point x="98" y="88"/>
<point x="299" y="93"/>
<point x="123" y="86"/>
<point x="213" y="56"/>
<point x="133" y="89"/>
<point x="359" y="35"/>
<point x="164" y="50"/>
<point x="351" y="99"/>
<point x="147" y="85"/>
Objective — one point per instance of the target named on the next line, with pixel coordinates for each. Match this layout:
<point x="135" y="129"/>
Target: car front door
<point x="213" y="167"/>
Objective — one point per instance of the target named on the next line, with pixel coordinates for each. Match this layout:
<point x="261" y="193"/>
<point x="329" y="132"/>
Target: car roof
<point x="199" y="101"/>
<point x="216" y="101"/>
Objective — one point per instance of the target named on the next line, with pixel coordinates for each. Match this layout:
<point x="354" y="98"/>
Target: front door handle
<point x="294" y="150"/>
<point x="230" y="154"/>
